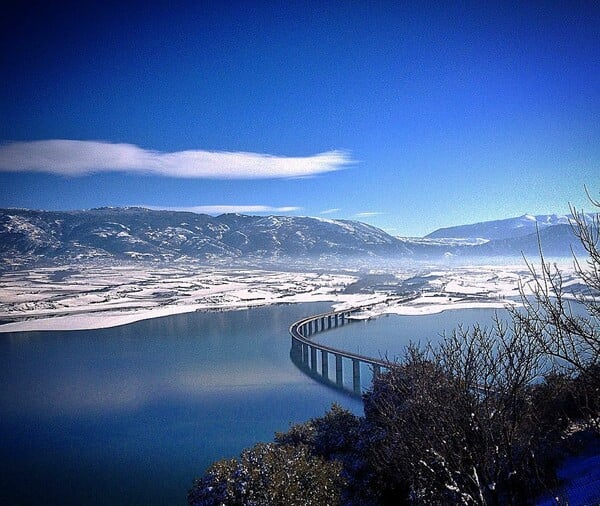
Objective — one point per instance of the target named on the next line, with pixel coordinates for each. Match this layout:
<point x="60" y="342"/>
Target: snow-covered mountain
<point x="502" y="229"/>
<point x="138" y="233"/>
<point x="141" y="234"/>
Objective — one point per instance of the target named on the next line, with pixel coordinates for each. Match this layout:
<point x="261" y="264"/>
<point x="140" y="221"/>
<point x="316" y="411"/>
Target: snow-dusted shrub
<point x="269" y="474"/>
<point x="339" y="435"/>
<point x="333" y="435"/>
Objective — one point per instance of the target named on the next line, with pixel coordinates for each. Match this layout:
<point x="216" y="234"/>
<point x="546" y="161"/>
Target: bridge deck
<point x="304" y="352"/>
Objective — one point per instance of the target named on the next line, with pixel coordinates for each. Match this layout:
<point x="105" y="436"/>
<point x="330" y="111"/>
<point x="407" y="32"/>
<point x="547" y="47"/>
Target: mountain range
<point x="134" y="233"/>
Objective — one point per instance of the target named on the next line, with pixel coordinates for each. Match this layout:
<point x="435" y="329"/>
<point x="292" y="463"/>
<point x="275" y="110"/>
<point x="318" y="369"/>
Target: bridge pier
<point x="356" y="376"/>
<point x="296" y="348"/>
<point x="313" y="359"/>
<point x="376" y="370"/>
<point x="339" y="374"/>
<point x="325" y="364"/>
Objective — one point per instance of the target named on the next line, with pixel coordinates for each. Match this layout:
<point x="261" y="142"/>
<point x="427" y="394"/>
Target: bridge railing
<point x="317" y="359"/>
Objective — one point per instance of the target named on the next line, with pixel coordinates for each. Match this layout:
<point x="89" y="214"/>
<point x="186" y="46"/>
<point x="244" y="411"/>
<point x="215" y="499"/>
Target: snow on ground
<point x="464" y="287"/>
<point x="105" y="296"/>
<point x="580" y="476"/>
<point x="98" y="296"/>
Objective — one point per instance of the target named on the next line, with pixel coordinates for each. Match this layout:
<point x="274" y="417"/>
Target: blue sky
<point x="409" y="117"/>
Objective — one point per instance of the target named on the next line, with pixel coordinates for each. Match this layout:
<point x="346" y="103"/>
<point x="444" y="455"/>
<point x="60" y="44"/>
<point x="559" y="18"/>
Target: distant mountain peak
<point x="501" y="229"/>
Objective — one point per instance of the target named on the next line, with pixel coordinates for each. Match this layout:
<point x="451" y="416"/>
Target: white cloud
<point x="330" y="211"/>
<point x="222" y="209"/>
<point x="77" y="158"/>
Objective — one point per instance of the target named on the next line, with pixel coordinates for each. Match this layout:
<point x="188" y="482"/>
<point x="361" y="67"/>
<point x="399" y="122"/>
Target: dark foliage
<point x="269" y="474"/>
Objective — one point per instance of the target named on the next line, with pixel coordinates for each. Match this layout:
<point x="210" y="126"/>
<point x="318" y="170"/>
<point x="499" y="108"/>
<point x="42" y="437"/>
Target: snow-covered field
<point x="97" y="296"/>
<point x="492" y="286"/>
<point x="100" y="296"/>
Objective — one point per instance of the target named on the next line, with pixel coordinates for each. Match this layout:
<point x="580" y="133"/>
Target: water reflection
<point x="131" y="414"/>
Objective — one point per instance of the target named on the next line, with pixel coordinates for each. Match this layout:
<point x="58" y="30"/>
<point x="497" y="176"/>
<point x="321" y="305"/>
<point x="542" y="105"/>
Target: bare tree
<point x="458" y="423"/>
<point x="567" y="325"/>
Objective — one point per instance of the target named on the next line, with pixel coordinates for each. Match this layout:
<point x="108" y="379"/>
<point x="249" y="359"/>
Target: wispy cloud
<point x="330" y="211"/>
<point x="367" y="214"/>
<point x="222" y="209"/>
<point x="77" y="158"/>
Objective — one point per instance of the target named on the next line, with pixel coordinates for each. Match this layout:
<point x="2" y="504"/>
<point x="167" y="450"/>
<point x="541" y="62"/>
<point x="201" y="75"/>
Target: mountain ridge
<point x="137" y="233"/>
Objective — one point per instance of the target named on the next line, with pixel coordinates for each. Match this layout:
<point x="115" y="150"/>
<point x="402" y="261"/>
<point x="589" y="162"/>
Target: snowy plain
<point x="107" y="295"/>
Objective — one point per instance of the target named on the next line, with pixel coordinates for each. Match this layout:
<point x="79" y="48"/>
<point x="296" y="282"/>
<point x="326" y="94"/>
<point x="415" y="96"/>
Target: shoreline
<point x="108" y="319"/>
<point x="374" y="307"/>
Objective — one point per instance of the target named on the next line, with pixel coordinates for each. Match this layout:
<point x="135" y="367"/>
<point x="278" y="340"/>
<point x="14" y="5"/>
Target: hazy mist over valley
<point x="150" y="235"/>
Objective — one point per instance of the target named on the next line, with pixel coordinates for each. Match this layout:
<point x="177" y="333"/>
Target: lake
<point x="131" y="414"/>
<point x="389" y="334"/>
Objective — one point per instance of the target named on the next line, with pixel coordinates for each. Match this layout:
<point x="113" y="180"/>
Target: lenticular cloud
<point x="77" y="158"/>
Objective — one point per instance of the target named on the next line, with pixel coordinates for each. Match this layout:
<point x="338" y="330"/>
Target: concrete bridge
<point x="337" y="368"/>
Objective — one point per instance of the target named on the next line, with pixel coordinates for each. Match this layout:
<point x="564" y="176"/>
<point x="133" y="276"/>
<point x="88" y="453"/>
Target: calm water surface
<point x="389" y="335"/>
<point x="130" y="415"/>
